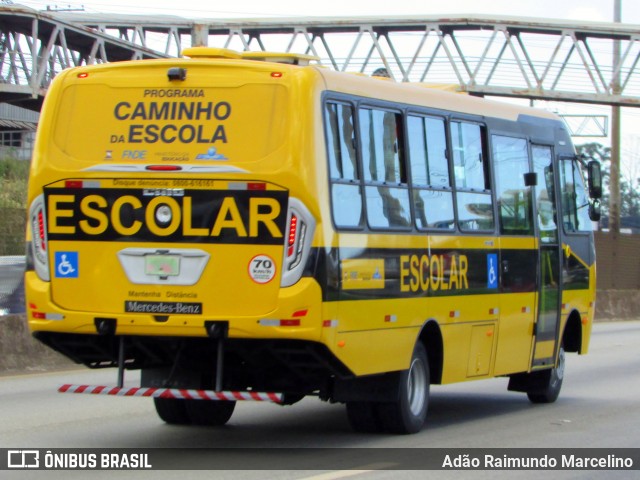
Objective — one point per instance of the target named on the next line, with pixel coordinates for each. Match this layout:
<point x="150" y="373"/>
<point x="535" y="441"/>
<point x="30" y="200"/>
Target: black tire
<point x="363" y="417"/>
<point x="409" y="412"/>
<point x="209" y="412"/>
<point x="551" y="381"/>
<point x="172" y="410"/>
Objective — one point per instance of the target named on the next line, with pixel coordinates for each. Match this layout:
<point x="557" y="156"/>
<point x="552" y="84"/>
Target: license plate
<point x="162" y="265"/>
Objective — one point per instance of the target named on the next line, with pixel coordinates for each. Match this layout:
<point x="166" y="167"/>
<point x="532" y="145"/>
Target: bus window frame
<point x="396" y="109"/>
<point x="553" y="199"/>
<point x="405" y="110"/>
<point x="327" y="122"/>
<point x="487" y="167"/>
<point x="434" y="115"/>
<point x="346" y="101"/>
<point x="559" y="197"/>
<point x="532" y="210"/>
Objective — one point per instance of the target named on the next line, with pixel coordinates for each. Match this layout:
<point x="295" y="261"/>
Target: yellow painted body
<point x="270" y="118"/>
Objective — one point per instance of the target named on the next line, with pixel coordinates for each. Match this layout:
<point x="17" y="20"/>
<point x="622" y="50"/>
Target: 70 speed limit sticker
<point x="262" y="269"/>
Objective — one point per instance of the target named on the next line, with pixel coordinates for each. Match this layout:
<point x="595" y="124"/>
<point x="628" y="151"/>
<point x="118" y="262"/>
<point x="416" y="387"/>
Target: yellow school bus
<point x="252" y="226"/>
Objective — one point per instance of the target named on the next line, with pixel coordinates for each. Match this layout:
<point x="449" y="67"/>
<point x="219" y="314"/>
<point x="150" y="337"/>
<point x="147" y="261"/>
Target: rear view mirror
<point x="530" y="179"/>
<point x="595" y="211"/>
<point x="595" y="179"/>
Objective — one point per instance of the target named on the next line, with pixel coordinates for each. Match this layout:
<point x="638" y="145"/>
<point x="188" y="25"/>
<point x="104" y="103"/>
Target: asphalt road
<point x="11" y="284"/>
<point x="599" y="407"/>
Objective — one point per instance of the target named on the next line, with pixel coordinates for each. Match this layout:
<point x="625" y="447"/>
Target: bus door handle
<point x="505" y="266"/>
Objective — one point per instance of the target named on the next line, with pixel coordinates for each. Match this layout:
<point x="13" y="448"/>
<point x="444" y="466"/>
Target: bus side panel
<point x="518" y="304"/>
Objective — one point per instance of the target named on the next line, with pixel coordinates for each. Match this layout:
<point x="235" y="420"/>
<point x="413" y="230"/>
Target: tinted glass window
<point x="347" y="205"/>
<point x="379" y="131"/>
<point x="388" y="207"/>
<point x="346" y="191"/>
<point x="468" y="161"/>
<point x="432" y="196"/>
<point x="427" y="150"/>
<point x="386" y="189"/>
<point x="544" y="196"/>
<point x="575" y="203"/>
<point x="511" y="162"/>
<point x="475" y="211"/>
<point x="341" y="141"/>
<point x="433" y="209"/>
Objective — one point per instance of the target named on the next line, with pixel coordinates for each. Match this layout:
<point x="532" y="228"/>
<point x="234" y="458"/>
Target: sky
<point x="590" y="10"/>
<point x="576" y="10"/>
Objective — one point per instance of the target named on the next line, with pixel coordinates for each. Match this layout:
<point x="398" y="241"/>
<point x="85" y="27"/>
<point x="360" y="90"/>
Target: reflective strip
<point x="246" y="186"/>
<point x="187" y="394"/>
<point x="112" y="167"/>
<point x="269" y="322"/>
<point x="82" y="184"/>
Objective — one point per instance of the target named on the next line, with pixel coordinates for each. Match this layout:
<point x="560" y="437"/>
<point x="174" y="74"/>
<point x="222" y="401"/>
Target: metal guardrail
<point x="12" y="284"/>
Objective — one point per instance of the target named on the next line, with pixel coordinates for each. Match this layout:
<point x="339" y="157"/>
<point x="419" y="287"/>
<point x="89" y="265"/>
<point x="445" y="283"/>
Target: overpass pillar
<point x="199" y="35"/>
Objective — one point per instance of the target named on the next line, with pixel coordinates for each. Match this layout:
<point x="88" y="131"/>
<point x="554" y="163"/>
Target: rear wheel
<point x="550" y="382"/>
<point x="172" y="410"/>
<point x="409" y="412"/>
<point x="405" y="415"/>
<point x="209" y="413"/>
<point x="363" y="416"/>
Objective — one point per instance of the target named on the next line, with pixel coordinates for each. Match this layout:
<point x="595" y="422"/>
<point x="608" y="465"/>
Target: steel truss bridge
<point x="514" y="57"/>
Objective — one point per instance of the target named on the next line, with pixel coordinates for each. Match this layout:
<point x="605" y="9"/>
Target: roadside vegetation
<point x="13" y="196"/>
<point x="13" y="182"/>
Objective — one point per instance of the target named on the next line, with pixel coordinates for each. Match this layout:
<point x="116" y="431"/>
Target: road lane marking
<point x="351" y="473"/>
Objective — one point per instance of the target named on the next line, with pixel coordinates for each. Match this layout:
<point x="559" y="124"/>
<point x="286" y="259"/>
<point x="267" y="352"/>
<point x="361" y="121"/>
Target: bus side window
<point x="545" y="193"/>
<point x="467" y="140"/>
<point x="346" y="192"/>
<point x="431" y="195"/>
<point x="386" y="189"/>
<point x="511" y="161"/>
<point x="473" y="195"/>
<point x="575" y="202"/>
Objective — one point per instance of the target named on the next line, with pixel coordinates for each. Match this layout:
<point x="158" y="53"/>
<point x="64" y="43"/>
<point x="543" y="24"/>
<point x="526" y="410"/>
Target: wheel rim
<point x="558" y="372"/>
<point x="560" y="367"/>
<point x="416" y="387"/>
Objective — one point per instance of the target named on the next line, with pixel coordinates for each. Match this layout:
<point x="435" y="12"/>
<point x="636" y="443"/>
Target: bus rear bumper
<point x="298" y="316"/>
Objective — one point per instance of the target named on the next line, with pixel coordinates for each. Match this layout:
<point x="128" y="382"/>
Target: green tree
<point x="629" y="183"/>
<point x="13" y="196"/>
<point x="14" y="175"/>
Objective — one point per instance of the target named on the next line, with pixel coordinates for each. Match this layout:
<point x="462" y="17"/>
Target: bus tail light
<point x="39" y="242"/>
<point x="297" y="245"/>
<point x="293" y="232"/>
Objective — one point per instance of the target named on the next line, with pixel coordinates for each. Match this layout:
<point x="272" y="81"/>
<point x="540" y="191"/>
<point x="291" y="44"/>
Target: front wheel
<point x="551" y="383"/>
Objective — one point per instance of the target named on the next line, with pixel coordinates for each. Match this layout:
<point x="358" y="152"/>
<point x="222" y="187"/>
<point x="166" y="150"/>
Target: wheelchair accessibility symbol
<point x="66" y="264"/>
<point x="492" y="270"/>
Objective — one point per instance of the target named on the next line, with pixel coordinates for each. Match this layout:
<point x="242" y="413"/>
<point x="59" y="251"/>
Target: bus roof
<point x="421" y="94"/>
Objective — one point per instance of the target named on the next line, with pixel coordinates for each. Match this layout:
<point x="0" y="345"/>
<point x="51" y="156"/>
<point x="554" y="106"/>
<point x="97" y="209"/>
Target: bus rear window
<point x="98" y="122"/>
